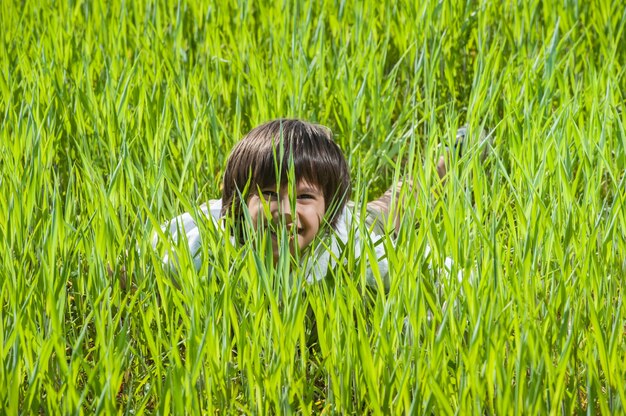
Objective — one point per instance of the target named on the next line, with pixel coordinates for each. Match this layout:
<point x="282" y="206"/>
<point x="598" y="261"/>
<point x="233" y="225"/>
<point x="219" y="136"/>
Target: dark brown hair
<point x="271" y="150"/>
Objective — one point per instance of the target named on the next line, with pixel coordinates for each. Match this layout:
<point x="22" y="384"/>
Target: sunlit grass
<point x="117" y="116"/>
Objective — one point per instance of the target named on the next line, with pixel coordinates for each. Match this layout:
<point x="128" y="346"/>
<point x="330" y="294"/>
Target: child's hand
<point x="463" y="144"/>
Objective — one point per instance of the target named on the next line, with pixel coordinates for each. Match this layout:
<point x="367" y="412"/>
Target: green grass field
<point x="118" y="115"/>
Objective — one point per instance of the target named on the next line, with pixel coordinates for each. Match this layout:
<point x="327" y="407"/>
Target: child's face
<point x="272" y="208"/>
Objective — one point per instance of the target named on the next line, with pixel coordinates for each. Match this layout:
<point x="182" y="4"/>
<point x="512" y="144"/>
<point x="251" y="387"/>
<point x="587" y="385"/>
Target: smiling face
<point x="281" y="152"/>
<point x="300" y="212"/>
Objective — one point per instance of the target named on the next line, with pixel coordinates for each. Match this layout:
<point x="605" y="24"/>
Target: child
<point x="261" y="200"/>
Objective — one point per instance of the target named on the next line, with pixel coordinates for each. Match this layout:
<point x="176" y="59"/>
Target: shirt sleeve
<point x="370" y="244"/>
<point x="364" y="239"/>
<point x="184" y="229"/>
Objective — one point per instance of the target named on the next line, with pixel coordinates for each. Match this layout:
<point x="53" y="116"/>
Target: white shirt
<point x="318" y="263"/>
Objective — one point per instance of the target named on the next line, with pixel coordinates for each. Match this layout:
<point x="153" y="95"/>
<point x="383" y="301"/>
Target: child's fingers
<point x="441" y="167"/>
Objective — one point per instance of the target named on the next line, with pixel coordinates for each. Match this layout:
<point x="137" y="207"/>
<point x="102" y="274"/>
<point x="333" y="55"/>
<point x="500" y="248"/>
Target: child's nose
<point x="285" y="206"/>
<point x="286" y="212"/>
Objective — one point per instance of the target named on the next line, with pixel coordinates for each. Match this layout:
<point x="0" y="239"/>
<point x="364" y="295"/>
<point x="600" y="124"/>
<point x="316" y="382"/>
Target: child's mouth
<point x="291" y="235"/>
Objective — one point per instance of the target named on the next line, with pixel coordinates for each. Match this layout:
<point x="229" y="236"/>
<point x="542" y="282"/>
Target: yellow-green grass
<point x="118" y="115"/>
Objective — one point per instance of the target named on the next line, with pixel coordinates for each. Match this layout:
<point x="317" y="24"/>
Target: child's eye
<point x="269" y="195"/>
<point x="305" y="196"/>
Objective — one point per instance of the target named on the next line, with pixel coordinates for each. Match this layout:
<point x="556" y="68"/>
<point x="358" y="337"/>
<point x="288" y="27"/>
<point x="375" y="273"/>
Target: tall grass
<point x="117" y="116"/>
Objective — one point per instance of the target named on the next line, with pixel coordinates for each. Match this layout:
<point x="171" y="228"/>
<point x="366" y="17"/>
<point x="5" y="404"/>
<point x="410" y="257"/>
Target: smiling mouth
<point x="291" y="235"/>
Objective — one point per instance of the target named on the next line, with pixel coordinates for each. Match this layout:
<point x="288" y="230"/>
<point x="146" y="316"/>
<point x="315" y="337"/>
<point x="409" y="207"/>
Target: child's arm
<point x="384" y="204"/>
